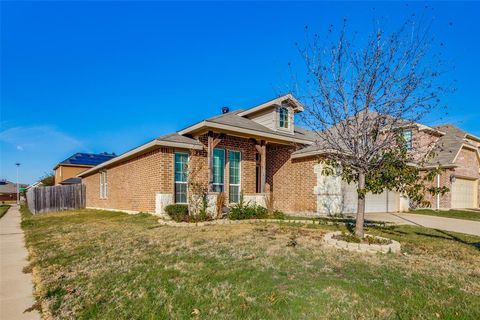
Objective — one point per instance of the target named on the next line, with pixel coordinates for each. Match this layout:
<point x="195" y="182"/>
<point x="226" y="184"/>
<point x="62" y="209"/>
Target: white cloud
<point x="37" y="136"/>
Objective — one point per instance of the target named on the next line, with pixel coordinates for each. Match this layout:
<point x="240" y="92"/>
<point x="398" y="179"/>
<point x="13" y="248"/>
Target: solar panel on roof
<point x="88" y="158"/>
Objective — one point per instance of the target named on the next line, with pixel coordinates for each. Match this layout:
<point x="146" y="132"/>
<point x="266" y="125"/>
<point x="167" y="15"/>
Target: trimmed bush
<point x="178" y="212"/>
<point x="247" y="212"/>
<point x="278" y="215"/>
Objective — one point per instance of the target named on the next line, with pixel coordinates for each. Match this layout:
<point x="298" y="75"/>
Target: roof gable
<point x="288" y="99"/>
<point x="233" y="122"/>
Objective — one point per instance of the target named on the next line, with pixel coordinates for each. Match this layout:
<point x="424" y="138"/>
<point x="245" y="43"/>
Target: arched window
<point x="284" y="119"/>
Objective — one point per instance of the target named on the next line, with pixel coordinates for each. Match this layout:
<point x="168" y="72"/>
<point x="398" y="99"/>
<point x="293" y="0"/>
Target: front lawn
<point x="99" y="264"/>
<point x="453" y="213"/>
<point x="3" y="209"/>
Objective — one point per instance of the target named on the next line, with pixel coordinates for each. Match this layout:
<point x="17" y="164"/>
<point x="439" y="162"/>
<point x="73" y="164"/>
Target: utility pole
<point x="18" y="185"/>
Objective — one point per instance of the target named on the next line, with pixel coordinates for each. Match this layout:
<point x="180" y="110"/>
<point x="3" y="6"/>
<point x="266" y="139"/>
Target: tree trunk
<point x="360" y="206"/>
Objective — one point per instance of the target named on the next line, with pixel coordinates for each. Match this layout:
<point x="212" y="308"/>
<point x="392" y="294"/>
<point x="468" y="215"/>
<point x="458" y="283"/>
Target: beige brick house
<point x="66" y="171"/>
<point x="249" y="151"/>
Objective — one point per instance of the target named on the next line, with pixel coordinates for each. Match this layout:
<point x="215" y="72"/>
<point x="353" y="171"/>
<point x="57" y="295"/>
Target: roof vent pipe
<point x="225" y="110"/>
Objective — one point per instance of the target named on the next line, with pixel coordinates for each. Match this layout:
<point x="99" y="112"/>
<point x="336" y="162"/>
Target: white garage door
<point x="384" y="202"/>
<point x="464" y="193"/>
<point x="335" y="195"/>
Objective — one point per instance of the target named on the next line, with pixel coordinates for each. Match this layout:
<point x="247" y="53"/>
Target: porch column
<point x="262" y="150"/>
<point x="211" y="144"/>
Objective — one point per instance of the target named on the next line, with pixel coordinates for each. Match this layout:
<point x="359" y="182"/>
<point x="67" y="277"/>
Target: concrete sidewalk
<point x="15" y="286"/>
<point x="441" y="223"/>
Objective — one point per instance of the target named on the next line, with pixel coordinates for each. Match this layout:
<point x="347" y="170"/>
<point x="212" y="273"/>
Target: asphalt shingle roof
<point x="449" y="144"/>
<point x="73" y="180"/>
<point x="10" y="187"/>
<point x="234" y="120"/>
<point x="175" y="137"/>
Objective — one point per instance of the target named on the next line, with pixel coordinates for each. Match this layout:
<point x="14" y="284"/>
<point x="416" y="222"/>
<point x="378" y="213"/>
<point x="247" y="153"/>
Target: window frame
<point x="286" y="121"/>
<point x="175" y="182"/>
<point x="230" y="184"/>
<point x="214" y="184"/>
<point x="103" y="184"/>
<point x="409" y="142"/>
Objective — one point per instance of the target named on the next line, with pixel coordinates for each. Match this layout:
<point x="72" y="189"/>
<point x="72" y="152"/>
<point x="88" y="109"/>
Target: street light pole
<point x="18" y="184"/>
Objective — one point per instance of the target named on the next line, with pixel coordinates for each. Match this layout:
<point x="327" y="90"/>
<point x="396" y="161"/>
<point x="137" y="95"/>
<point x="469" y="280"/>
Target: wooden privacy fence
<point x="56" y="198"/>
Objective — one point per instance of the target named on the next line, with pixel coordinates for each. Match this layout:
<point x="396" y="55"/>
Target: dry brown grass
<point x="94" y="264"/>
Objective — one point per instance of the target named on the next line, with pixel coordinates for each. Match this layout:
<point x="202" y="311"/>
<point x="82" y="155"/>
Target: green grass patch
<point x="3" y="209"/>
<point x="453" y="213"/>
<point x="90" y="264"/>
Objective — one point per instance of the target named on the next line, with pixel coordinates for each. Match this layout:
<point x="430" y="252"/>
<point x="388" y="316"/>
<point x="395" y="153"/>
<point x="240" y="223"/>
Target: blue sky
<point x="105" y="76"/>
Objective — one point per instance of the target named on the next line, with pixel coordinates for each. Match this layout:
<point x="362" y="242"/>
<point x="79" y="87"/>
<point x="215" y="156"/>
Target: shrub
<point x="260" y="212"/>
<point x="244" y="210"/>
<point x="278" y="215"/>
<point x="348" y="237"/>
<point x="247" y="212"/>
<point x="178" y="212"/>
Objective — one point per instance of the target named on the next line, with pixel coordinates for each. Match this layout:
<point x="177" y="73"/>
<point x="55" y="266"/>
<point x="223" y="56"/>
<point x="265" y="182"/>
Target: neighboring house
<point x="458" y="152"/>
<point x="250" y="151"/>
<point x="8" y="190"/>
<point x="67" y="170"/>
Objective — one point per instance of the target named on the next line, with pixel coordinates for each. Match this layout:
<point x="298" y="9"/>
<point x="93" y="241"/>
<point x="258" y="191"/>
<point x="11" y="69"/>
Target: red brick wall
<point x="468" y="167"/>
<point x="422" y="143"/>
<point x="292" y="181"/>
<point x="133" y="184"/>
<point x="247" y="170"/>
<point x="445" y="200"/>
<point x="467" y="162"/>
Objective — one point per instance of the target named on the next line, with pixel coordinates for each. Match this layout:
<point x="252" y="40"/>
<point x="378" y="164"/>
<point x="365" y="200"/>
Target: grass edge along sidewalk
<point x="4" y="209"/>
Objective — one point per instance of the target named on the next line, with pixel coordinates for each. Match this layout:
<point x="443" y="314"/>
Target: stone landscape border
<point x="393" y="247"/>
<point x="227" y="221"/>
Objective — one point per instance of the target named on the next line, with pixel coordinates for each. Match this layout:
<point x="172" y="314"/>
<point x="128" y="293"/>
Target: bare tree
<point x="48" y="179"/>
<point x="359" y="98"/>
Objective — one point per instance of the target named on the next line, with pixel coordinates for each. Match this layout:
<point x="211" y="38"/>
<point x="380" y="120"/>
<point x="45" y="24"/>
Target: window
<point x="181" y="166"/>
<point x="234" y="160"/>
<point x="407" y="136"/>
<point x="103" y="184"/>
<point x="218" y="169"/>
<point x="284" y="118"/>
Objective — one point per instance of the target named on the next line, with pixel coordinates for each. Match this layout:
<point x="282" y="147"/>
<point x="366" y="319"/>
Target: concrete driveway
<point x="15" y="286"/>
<point x="447" y="224"/>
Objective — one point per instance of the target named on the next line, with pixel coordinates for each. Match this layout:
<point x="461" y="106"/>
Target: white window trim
<point x="181" y="182"/>
<point x="408" y="145"/>
<point x="103" y="184"/>
<point x="100" y="174"/>
<point x="289" y="121"/>
<point x="223" y="168"/>
<point x="239" y="175"/>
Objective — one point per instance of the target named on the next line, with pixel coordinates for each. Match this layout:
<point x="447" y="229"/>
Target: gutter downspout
<point x="438" y="195"/>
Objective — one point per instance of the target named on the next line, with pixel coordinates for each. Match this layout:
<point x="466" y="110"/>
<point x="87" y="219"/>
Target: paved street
<point x="15" y="286"/>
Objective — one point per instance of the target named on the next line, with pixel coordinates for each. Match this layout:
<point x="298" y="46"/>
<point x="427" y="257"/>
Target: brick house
<point x="458" y="153"/>
<point x="252" y="151"/>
